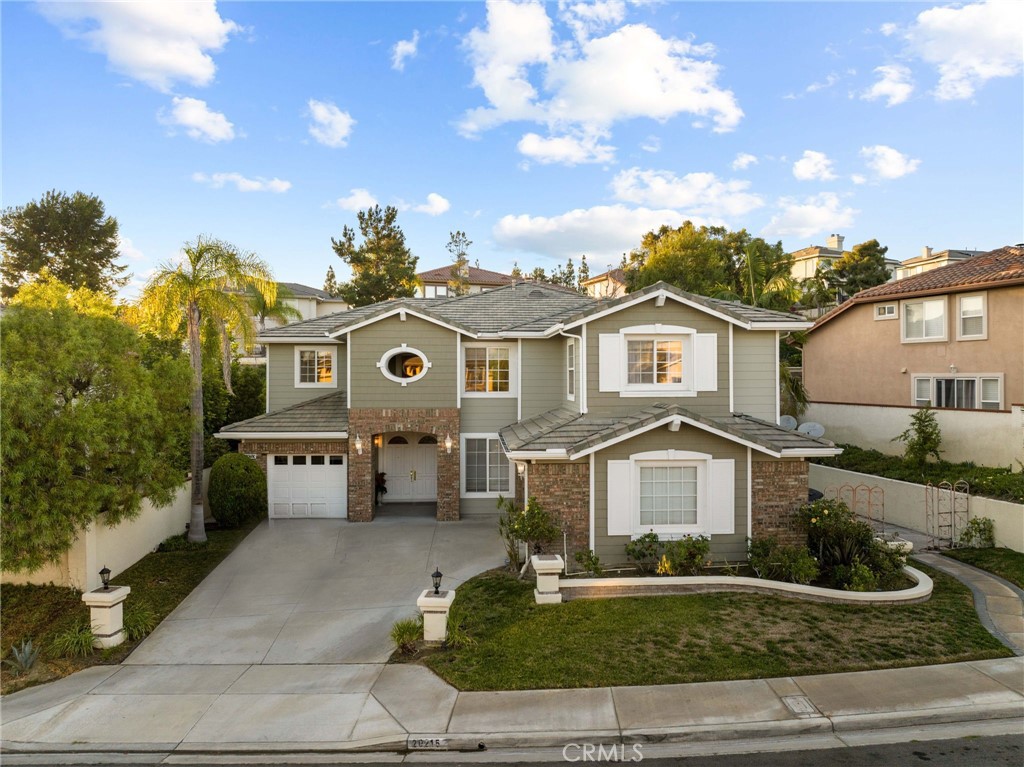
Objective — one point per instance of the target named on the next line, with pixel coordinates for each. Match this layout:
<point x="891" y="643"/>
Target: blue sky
<point x="543" y="131"/>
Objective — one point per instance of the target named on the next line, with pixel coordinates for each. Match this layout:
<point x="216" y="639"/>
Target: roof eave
<point x="281" y="435"/>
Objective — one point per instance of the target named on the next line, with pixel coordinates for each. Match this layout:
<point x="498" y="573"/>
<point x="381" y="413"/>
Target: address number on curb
<point x="428" y="744"/>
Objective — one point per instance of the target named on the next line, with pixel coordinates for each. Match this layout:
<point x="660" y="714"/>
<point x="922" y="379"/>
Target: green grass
<point x="698" y="638"/>
<point x="1006" y="563"/>
<point x="991" y="482"/>
<point x="160" y="580"/>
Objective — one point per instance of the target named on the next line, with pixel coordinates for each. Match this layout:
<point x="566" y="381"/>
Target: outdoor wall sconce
<point x="521" y="468"/>
<point x="436" y="578"/>
<point x="378" y="440"/>
<point x="105" y="577"/>
<point x="448" y="443"/>
<point x="952" y="368"/>
<point x="359" y="445"/>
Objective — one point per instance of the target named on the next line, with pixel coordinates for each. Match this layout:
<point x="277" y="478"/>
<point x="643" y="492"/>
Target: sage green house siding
<point x="484" y="415"/>
<point x="754" y="372"/>
<point x="611" y="549"/>
<point x="543" y="376"/>
<point x="281" y="388"/>
<point x="369" y="386"/>
<point x="714" y="403"/>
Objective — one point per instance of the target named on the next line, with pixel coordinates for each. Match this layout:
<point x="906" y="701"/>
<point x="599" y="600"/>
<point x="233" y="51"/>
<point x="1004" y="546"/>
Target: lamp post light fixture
<point x="448" y="443"/>
<point x="105" y="577"/>
<point x="359" y="445"/>
<point x="436" y="578"/>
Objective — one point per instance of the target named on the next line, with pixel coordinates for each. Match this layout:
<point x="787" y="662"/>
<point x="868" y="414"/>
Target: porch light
<point x="448" y="443"/>
<point x="436" y="578"/>
<point x="378" y="440"/>
<point x="105" y="577"/>
<point x="359" y="445"/>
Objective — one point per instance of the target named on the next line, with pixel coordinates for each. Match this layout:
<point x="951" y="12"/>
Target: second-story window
<point x="924" y="320"/>
<point x="570" y="368"/>
<point x="972" y="318"/>
<point x="654" y="361"/>
<point x="314" y="367"/>
<point x="488" y="369"/>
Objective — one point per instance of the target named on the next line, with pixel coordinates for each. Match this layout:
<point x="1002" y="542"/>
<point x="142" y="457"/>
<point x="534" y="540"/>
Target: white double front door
<point x="411" y="471"/>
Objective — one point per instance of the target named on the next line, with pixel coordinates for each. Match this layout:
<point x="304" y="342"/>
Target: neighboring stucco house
<point x="807" y="260"/>
<point x="951" y="338"/>
<point x="929" y="260"/>
<point x="434" y="283"/>
<point x="309" y="302"/>
<point x="653" y="411"/>
<point x="610" y="284"/>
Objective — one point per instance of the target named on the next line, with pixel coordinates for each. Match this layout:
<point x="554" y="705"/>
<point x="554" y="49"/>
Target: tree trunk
<point x="225" y="355"/>
<point x="197" y="523"/>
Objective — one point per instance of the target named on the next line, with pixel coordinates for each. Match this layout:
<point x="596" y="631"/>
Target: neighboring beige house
<point x="434" y="283"/>
<point x="610" y="284"/>
<point x="929" y="260"/>
<point x="309" y="302"/>
<point x="951" y="338"/>
<point x="807" y="260"/>
<point x="657" y="411"/>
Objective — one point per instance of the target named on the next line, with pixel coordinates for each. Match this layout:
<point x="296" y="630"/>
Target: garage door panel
<point x="307" y="486"/>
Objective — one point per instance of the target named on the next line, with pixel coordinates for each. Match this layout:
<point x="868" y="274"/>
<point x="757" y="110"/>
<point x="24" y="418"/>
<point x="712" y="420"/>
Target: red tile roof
<point x="477" y="276"/>
<point x="996" y="268"/>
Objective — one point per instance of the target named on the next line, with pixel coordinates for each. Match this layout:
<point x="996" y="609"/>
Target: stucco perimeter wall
<point x="906" y="506"/>
<point x="986" y="437"/>
<point x="117" y="547"/>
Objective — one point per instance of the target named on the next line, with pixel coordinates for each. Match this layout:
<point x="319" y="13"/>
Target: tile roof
<point x="996" y="268"/>
<point x="304" y="291"/>
<point x="612" y="274"/>
<point x="563" y="429"/>
<point x="477" y="276"/>
<point x="322" y="414"/>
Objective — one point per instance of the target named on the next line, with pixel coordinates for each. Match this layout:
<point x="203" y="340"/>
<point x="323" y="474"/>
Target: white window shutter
<point x="722" y="496"/>
<point x="620" y="498"/>
<point x="610" y="362"/>
<point x="705" y="362"/>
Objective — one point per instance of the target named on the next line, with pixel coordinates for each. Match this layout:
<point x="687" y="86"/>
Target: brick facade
<point x="563" y="489"/>
<point x="367" y="422"/>
<point x="779" y="490"/>
<point x="262" y="448"/>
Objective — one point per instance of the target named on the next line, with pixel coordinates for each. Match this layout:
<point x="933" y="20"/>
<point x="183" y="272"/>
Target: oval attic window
<point x="404" y="365"/>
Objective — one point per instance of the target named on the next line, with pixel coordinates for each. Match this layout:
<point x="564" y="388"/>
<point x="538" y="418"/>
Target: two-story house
<point x="434" y="283"/>
<point x="654" y="411"/>
<point x="951" y="338"/>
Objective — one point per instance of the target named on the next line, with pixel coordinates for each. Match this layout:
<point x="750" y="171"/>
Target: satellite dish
<point x="787" y="422"/>
<point x="812" y="429"/>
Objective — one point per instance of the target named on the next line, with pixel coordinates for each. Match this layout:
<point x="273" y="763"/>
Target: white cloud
<point x="743" y="161"/>
<point x="127" y="249"/>
<point x="242" y="184"/>
<point x="585" y="86"/>
<point x="330" y="127"/>
<point x="434" y="206"/>
<point x="888" y="163"/>
<point x="857" y="178"/>
<point x="199" y="121"/>
<point x="969" y="45"/>
<point x="651" y="144"/>
<point x="404" y="49"/>
<point x="602" y="232"/>
<point x="358" y="199"/>
<point x="566" y="150"/>
<point x="156" y="43"/>
<point x="813" y="166"/>
<point x="827" y="83"/>
<point x="894" y="84"/>
<point x="803" y="218"/>
<point x="703" y="194"/>
<point x="889" y="29"/>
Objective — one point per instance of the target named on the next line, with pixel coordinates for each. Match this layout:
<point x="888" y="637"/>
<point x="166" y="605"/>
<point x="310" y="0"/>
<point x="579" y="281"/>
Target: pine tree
<point x="382" y="265"/>
<point x="331" y="283"/>
<point x="860" y="269"/>
<point x="584" y="274"/>
<point x="458" y="246"/>
<point x="516" y="273"/>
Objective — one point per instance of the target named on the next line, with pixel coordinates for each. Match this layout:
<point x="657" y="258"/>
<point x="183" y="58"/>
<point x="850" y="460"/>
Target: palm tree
<point x="204" y="286"/>
<point x="766" y="276"/>
<point x="263" y="310"/>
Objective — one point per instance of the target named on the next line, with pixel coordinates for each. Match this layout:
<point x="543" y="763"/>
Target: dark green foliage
<point x="980" y="533"/>
<point x="406" y="634"/>
<point x="862" y="268"/>
<point x="85" y="428"/>
<point x="74" y="641"/>
<point x="181" y="543"/>
<point x="1000" y="483"/>
<point x="70" y="236"/>
<point x="589" y="561"/>
<point x="382" y="265"/>
<point x="645" y="550"/>
<point x="699" y="260"/>
<point x="686" y="556"/>
<point x="793" y="564"/>
<point x="457" y="635"/>
<point x="922" y="438"/>
<point x="458" y="247"/>
<point x="508" y="511"/>
<point x="331" y="283"/>
<point x="139" y="619"/>
<point x="221" y="408"/>
<point x="533" y="526"/>
<point x="238" y="490"/>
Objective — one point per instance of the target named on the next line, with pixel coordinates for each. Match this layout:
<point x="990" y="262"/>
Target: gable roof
<point x="304" y="291"/>
<point x="325" y="416"/>
<point x="995" y="269"/>
<point x="618" y="275"/>
<point x="477" y="276"/>
<point x="565" y="434"/>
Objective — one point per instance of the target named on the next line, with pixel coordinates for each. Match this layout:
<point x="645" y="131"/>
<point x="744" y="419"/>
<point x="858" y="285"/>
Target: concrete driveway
<point x="319" y="591"/>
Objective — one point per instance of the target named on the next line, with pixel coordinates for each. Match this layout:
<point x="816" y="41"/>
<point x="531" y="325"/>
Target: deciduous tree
<point x="862" y="268"/>
<point x="382" y="265"/>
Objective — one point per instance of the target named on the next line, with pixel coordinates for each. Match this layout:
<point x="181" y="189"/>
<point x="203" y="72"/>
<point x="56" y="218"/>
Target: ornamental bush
<point x="686" y="556"/>
<point x="238" y="490"/>
<point x="793" y="564"/>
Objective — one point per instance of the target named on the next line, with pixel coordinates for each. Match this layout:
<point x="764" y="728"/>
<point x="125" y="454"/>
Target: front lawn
<point x="699" y="638"/>
<point x="1006" y="563"/>
<point x="160" y="580"/>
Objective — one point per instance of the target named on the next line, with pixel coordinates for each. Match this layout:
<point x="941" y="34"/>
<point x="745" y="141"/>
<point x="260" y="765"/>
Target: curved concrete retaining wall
<point x="610" y="588"/>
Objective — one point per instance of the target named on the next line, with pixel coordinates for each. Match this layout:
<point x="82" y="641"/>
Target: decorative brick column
<point x="366" y="422"/>
<point x="779" y="490"/>
<point x="563" y="489"/>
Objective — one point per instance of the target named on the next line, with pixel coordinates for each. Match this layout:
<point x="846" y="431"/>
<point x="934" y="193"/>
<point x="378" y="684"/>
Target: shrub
<point x="457" y="636"/>
<point x="922" y="437"/>
<point x="534" y="526"/>
<point x="406" y="633"/>
<point x="181" y="543"/>
<point x="238" y="490"/>
<point x="74" y="642"/>
<point x="834" y="533"/>
<point x="980" y="533"/>
<point x="782" y="563"/>
<point x="886" y="563"/>
<point x="644" y="551"/>
<point x="858" y="577"/>
<point x="685" y="556"/>
<point x="589" y="561"/>
<point x="139" y="620"/>
<point x="23" y="657"/>
<point x="506" y="523"/>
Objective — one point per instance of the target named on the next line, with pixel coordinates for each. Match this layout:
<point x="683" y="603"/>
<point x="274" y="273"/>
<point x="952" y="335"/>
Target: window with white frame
<point x="488" y="369"/>
<point x="654" y="362"/>
<point x="657" y="360"/>
<point x="570" y="368"/>
<point x="972" y="323"/>
<point x="885" y="312"/>
<point x="314" y="367"/>
<point x="924" y="320"/>
<point x="961" y="392"/>
<point x="668" y="494"/>
<point x="486" y="468"/>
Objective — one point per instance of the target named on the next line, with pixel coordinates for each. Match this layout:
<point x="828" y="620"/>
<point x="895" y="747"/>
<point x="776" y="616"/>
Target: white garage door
<point x="307" y="486"/>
